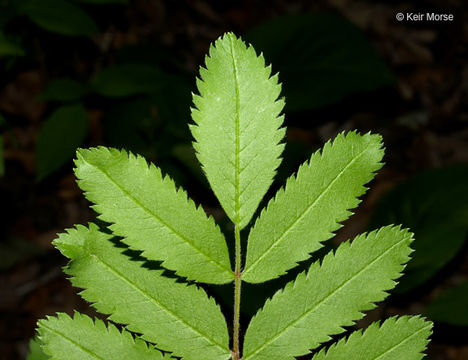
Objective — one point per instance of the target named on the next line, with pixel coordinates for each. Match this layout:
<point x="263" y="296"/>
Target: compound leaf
<point x="405" y="337"/>
<point x="153" y="215"/>
<point x="331" y="295"/>
<point x="81" y="338"/>
<point x="237" y="126"/>
<point x="311" y="206"/>
<point x="179" y="318"/>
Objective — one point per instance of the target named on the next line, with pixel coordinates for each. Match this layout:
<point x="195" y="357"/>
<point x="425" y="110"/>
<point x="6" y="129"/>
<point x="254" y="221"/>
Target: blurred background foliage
<point x="120" y="73"/>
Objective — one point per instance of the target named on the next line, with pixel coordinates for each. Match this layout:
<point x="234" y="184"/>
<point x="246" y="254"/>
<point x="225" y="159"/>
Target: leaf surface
<point x="331" y="295"/>
<point x="81" y="338"/>
<point x="311" y="206"/>
<point x="237" y="126"/>
<point x="397" y="338"/>
<point x="179" y="318"/>
<point x="152" y="215"/>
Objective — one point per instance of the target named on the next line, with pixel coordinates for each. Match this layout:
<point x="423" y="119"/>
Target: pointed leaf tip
<point x="178" y="317"/>
<point x="80" y="337"/>
<point x="237" y="127"/>
<point x="405" y="337"/>
<point x="152" y="214"/>
<point x="329" y="297"/>
<point x="310" y="208"/>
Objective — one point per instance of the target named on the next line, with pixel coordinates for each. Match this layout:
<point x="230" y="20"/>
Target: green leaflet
<point x="397" y="338"/>
<point x="81" y="338"/>
<point x="152" y="215"/>
<point x="312" y="205"/>
<point x="177" y="317"/>
<point x="331" y="295"/>
<point x="237" y="129"/>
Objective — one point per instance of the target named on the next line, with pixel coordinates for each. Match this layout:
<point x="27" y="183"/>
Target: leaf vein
<point x="402" y="342"/>
<point x="299" y="218"/>
<point x="71" y="341"/>
<point x="152" y="214"/>
<point x="294" y="322"/>
<point x="237" y="120"/>
<point x="161" y="306"/>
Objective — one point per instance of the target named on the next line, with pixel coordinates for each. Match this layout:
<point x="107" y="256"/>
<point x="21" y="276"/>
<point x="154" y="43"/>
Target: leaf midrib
<point x="71" y="341"/>
<point x="402" y="342"/>
<point x="292" y="323"/>
<point x="158" y="304"/>
<point x="288" y="229"/>
<point x="237" y="124"/>
<point x="149" y="212"/>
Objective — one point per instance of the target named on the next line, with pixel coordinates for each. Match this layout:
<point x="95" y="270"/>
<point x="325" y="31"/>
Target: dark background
<point x="79" y="73"/>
